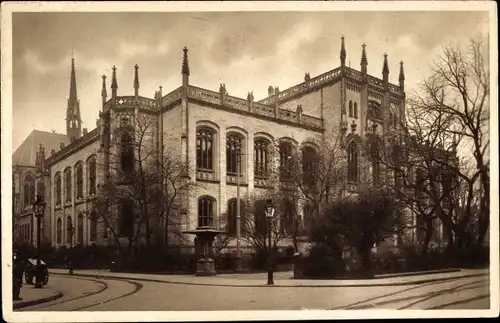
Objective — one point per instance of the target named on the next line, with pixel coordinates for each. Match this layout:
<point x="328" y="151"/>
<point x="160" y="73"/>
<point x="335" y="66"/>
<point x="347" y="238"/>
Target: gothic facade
<point x="203" y="128"/>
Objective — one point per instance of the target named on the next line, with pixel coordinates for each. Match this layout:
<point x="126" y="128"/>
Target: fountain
<point x="205" y="265"/>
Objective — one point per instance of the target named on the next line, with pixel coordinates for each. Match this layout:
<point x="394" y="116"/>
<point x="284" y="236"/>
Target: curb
<point x="24" y="304"/>
<point x="286" y="286"/>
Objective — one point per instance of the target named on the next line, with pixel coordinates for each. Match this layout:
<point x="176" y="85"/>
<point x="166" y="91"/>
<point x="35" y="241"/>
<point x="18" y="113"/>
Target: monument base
<point x="205" y="267"/>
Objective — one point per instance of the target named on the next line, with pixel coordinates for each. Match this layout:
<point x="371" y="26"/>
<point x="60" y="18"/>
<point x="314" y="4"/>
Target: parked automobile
<point x="29" y="273"/>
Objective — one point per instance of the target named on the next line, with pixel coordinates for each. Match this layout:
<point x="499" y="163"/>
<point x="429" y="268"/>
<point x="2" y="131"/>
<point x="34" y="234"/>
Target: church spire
<point x="385" y="70"/>
<point x="401" y="76"/>
<point x="185" y="62"/>
<point x="73" y="118"/>
<point x="364" y="60"/>
<point x="342" y="52"/>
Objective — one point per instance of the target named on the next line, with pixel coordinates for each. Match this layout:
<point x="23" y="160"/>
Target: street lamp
<point x="238" y="211"/>
<point x="39" y="210"/>
<point x="269" y="216"/>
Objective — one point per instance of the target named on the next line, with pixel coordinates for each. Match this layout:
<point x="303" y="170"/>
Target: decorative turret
<point x="343" y="54"/>
<point x="385" y="72"/>
<point x="136" y="81"/>
<point x="73" y="118"/>
<point x="270" y="90"/>
<point x="104" y="93"/>
<point x="114" y="84"/>
<point x="185" y="68"/>
<point x="364" y="60"/>
<point x="401" y="76"/>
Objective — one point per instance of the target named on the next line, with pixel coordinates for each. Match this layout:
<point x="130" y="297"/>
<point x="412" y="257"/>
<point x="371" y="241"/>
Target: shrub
<point x="322" y="263"/>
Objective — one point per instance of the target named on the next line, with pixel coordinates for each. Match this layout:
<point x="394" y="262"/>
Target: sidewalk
<point x="281" y="279"/>
<point x="33" y="296"/>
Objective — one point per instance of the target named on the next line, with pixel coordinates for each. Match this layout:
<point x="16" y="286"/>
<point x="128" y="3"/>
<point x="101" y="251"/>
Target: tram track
<point x="104" y="287"/>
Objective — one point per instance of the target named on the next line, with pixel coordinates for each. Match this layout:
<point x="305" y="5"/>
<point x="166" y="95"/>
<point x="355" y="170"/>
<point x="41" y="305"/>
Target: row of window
<point x="353" y="109"/>
<point x="78" y="173"/>
<point x="353" y="163"/>
<point x="70" y="229"/>
<point x="206" y="154"/>
<point x="287" y="220"/>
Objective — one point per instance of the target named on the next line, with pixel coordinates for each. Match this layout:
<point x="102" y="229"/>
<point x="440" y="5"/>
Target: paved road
<point x="89" y="294"/>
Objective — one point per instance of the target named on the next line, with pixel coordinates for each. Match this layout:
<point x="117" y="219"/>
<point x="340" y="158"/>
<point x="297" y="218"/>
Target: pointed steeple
<point x="114" y="83"/>
<point x="401" y="76"/>
<point x="185" y="62"/>
<point x="342" y="52"/>
<point x="364" y="60"/>
<point x="73" y="118"/>
<point x="72" y="87"/>
<point x="104" y="93"/>
<point x="136" y="80"/>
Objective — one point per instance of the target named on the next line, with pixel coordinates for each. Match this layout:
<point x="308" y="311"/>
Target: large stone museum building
<point x="201" y="127"/>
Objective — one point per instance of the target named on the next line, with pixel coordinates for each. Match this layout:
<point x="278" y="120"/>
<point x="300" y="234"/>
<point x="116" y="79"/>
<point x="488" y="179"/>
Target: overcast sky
<point x="246" y="51"/>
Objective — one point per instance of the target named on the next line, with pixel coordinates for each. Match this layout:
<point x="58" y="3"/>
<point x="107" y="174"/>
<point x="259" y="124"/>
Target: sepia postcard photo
<point x="249" y="160"/>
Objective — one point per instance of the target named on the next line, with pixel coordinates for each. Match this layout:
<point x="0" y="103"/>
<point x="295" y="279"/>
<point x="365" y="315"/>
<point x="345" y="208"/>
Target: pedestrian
<point x="69" y="261"/>
<point x="17" y="273"/>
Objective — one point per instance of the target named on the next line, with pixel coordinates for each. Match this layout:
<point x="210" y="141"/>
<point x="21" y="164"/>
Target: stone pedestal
<point x="205" y="267"/>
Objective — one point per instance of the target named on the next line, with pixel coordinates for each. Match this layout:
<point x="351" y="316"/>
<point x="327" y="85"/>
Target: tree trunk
<point x="428" y="236"/>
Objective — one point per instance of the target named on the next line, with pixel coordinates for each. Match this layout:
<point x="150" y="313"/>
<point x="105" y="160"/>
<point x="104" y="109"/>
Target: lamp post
<point x="238" y="211"/>
<point x="269" y="216"/>
<point x="39" y="210"/>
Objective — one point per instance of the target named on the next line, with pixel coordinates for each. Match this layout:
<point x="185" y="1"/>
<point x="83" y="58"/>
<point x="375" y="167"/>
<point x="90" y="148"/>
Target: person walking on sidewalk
<point x="17" y="273"/>
<point x="69" y="261"/>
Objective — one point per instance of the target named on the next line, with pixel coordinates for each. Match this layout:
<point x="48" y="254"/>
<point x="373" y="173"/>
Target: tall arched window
<point x="70" y="230"/>
<point x="375" y="156"/>
<point x="309" y="165"/>
<point x="352" y="162"/>
<point x="79" y="179"/>
<point x="127" y="218"/>
<point x="233" y="153"/>
<point x="80" y="229"/>
<point x="40" y="188"/>
<point x="206" y="210"/>
<point x="231" y="217"/>
<point x="308" y="215"/>
<point x="29" y="190"/>
<point x="91" y="163"/>
<point x="260" y="217"/>
<point x="67" y="184"/>
<point x="287" y="218"/>
<point x="93" y="225"/>
<point x="127" y="150"/>
<point x="355" y="112"/>
<point x="261" y="156"/>
<point x="58" y="184"/>
<point x="350" y="109"/>
<point x="205" y="149"/>
<point x="286" y="167"/>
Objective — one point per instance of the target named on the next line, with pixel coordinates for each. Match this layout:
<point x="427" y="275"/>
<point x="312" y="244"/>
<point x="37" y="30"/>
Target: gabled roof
<point x="25" y="154"/>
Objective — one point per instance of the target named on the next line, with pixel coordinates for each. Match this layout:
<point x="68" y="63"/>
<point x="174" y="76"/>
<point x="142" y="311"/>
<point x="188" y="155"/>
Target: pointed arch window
<point x="287" y="218"/>
<point x="350" y="109"/>
<point x="40" y="188"/>
<point x="59" y="231"/>
<point x="67" y="184"/>
<point x="80" y="229"/>
<point x="127" y="218"/>
<point x="79" y="180"/>
<point x="232" y="216"/>
<point x="234" y="147"/>
<point x="93" y="225"/>
<point x="355" y="110"/>
<point x="309" y="165"/>
<point x="58" y="185"/>
<point x="352" y="162"/>
<point x="261" y="157"/>
<point x="206" y="211"/>
<point x="286" y="168"/>
<point x="70" y="230"/>
<point x="260" y="218"/>
<point x="205" y="138"/>
<point x="375" y="161"/>
<point x="92" y="170"/>
<point x="29" y="190"/>
<point x="127" y="150"/>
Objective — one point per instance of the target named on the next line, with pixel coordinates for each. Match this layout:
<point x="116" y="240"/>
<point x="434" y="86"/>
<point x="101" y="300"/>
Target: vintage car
<point x="29" y="273"/>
